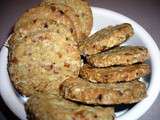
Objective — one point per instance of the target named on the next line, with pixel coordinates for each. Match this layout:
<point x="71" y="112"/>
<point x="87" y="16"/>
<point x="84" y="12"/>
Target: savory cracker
<point x="54" y="107"/>
<point x="115" y="73"/>
<point x="81" y="90"/>
<point x="124" y="55"/>
<point x="105" y="39"/>
<point x="42" y="61"/>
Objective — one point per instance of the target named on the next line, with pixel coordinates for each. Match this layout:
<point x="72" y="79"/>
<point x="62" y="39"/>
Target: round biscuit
<point x="123" y="55"/>
<point x="40" y="62"/>
<point x="83" y="91"/>
<point x="115" y="73"/>
<point x="54" y="107"/>
<point x="106" y="38"/>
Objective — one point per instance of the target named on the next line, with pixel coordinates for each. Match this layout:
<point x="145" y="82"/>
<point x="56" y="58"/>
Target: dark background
<point x="145" y="12"/>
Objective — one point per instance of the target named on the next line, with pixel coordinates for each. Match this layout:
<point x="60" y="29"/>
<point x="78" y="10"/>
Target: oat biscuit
<point x="114" y="74"/>
<point x="124" y="55"/>
<point x="53" y="107"/>
<point x="82" y="10"/>
<point x="80" y="90"/>
<point x="106" y="38"/>
<point x="39" y="63"/>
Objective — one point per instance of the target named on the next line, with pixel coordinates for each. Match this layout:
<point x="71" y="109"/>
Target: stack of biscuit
<point x="111" y="72"/>
<point x="45" y="63"/>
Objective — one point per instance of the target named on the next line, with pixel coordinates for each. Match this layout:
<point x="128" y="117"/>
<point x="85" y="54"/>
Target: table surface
<point x="145" y="12"/>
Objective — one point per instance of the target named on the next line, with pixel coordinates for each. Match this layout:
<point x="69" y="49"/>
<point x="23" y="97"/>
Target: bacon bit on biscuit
<point x="66" y="65"/>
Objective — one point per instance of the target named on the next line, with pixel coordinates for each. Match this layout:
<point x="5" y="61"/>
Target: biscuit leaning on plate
<point x="54" y="107"/>
<point x="124" y="55"/>
<point x="106" y="38"/>
<point x="30" y="17"/>
<point x="83" y="91"/>
<point x="82" y="10"/>
<point x="40" y="62"/>
<point x="115" y="73"/>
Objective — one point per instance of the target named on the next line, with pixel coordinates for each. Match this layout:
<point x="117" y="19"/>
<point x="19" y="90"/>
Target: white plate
<point x="102" y="18"/>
